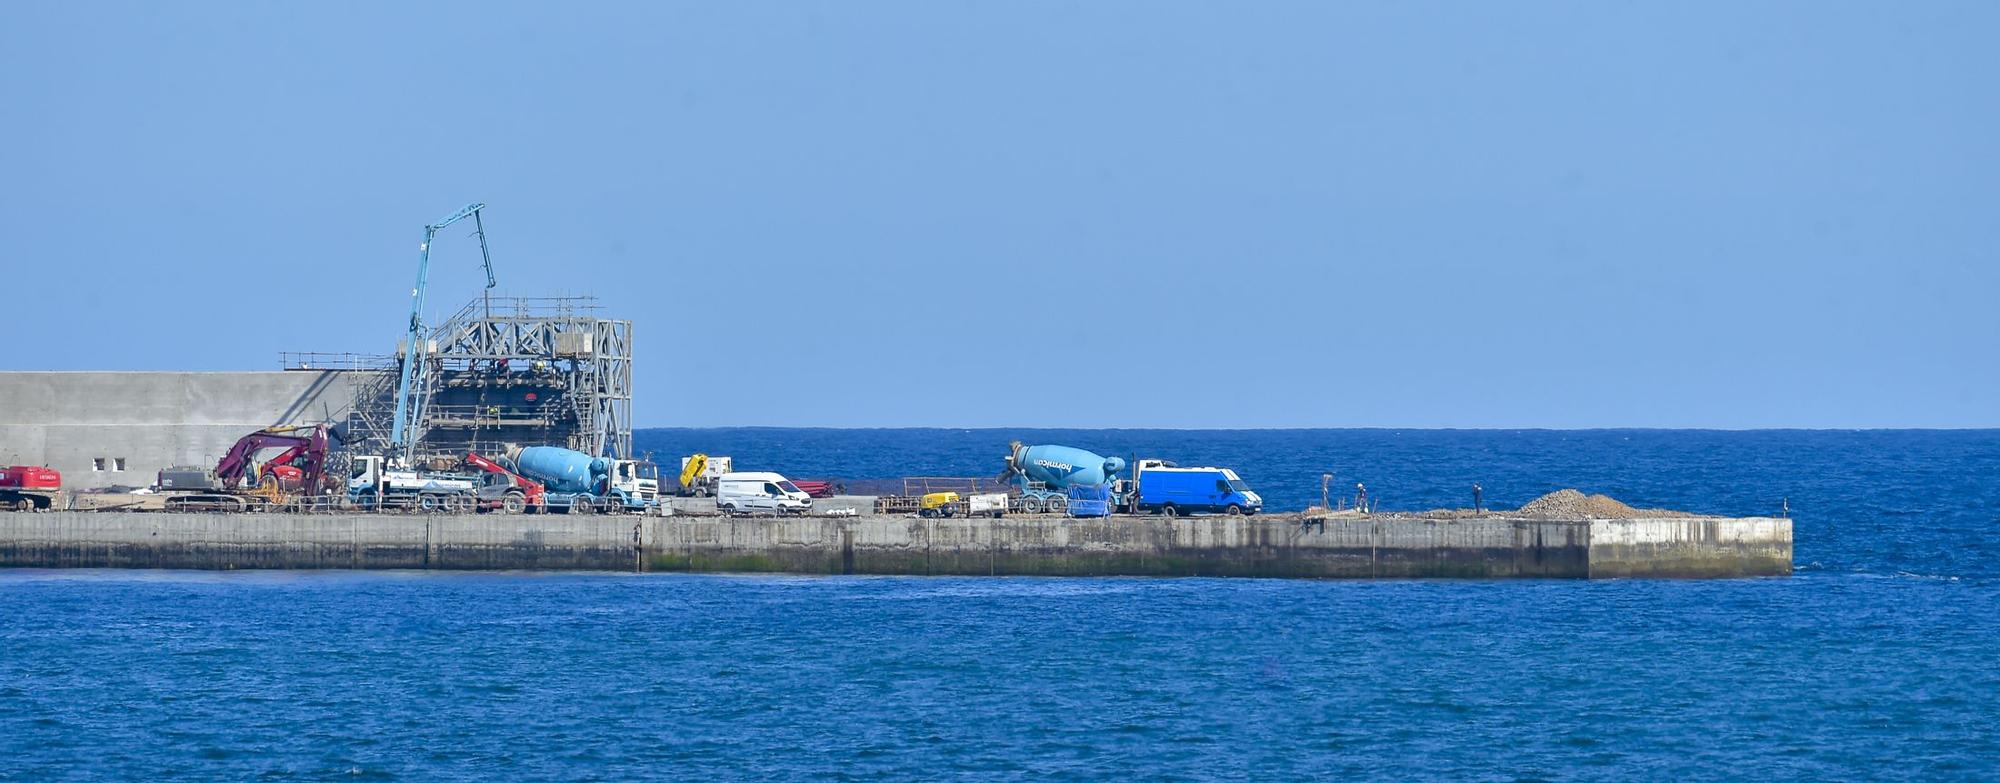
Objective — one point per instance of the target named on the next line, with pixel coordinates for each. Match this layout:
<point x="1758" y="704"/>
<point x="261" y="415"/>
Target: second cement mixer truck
<point x="1045" y="474"/>
<point x="576" y="481"/>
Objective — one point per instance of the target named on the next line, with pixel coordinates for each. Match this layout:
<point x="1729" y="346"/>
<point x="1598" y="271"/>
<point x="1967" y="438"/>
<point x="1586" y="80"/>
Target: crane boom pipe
<point x="399" y="432"/>
<point x="479" y="227"/>
<point x="462" y="213"/>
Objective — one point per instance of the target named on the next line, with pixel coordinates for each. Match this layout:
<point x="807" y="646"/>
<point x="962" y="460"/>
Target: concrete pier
<point x="1352" y="546"/>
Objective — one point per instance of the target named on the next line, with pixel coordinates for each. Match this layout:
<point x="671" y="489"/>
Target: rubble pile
<point x="1571" y="504"/>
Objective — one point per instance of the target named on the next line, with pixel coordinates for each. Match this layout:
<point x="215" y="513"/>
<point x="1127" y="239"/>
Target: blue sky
<point x="1056" y="214"/>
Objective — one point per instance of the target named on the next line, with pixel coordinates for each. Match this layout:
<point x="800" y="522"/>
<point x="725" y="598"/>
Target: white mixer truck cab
<point x="745" y="493"/>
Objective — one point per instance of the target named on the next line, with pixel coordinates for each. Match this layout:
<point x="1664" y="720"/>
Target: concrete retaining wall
<point x="151" y="420"/>
<point x="1372" y="547"/>
<point x="1681" y="547"/>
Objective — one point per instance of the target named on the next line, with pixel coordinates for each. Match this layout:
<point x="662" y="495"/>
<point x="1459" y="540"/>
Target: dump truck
<point x="699" y="472"/>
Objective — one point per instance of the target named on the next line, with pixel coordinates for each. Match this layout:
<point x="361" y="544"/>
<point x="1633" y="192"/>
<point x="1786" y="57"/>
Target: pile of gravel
<point x="1571" y="504"/>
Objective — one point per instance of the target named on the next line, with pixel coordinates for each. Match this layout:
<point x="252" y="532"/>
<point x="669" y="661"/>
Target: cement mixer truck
<point x="1045" y="474"/>
<point x="576" y="481"/>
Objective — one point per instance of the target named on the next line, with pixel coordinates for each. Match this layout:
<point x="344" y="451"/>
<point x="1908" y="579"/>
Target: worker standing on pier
<point x="1476" y="510"/>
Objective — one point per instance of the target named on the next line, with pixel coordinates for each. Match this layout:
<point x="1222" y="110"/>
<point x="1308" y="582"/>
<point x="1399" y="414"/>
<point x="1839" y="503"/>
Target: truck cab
<point x="634" y="483"/>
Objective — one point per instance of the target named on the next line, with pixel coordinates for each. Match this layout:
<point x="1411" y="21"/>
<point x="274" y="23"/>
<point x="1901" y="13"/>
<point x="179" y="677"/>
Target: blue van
<point x="1175" y="491"/>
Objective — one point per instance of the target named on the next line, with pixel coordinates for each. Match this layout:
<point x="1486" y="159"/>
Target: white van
<point x="759" y="493"/>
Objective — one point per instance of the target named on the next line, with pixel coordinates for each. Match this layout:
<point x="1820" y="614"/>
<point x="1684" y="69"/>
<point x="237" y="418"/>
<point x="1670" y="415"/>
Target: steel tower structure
<point x="503" y="371"/>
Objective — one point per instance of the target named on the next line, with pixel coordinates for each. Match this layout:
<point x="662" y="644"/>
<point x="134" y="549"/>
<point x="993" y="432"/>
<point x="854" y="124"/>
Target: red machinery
<point x="29" y="488"/>
<point x="303" y="460"/>
<point x="531" y="496"/>
<point x="300" y="468"/>
<point x="817" y="489"/>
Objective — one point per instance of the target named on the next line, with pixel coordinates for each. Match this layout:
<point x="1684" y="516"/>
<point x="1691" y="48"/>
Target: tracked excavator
<point x="240" y="483"/>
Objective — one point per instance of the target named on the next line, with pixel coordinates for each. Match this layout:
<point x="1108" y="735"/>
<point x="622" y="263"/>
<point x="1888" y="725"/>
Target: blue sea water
<point x="1880" y="659"/>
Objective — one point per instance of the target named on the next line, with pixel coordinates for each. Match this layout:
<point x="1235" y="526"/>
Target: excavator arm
<point x="307" y="449"/>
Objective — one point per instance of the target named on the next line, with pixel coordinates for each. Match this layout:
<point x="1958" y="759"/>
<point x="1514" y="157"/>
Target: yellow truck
<point x="699" y="472"/>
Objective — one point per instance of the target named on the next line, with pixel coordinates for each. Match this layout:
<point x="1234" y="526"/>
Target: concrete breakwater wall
<point x="1379" y="546"/>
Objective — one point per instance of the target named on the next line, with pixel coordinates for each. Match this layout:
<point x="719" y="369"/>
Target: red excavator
<point x="506" y="490"/>
<point x="234" y="486"/>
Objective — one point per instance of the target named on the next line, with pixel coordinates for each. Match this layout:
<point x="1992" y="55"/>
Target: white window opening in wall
<point x="118" y="464"/>
<point x="97" y="464"/>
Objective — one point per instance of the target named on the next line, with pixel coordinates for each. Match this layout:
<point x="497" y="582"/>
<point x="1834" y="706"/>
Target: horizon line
<point x="1373" y="428"/>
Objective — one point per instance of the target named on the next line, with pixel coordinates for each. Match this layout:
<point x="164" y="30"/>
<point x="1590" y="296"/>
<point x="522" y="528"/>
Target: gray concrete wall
<point x="1199" y="546"/>
<point x="151" y="420"/>
<point x="1373" y="547"/>
<point x="1690" y="547"/>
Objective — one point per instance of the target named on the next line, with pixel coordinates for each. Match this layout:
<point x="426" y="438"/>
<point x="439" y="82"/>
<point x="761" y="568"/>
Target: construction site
<point x="426" y="423"/>
<point x="480" y="439"/>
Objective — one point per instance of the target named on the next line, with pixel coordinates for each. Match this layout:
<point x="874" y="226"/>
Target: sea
<point x="1878" y="659"/>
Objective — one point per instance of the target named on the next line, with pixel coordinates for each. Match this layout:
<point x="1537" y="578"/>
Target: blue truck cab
<point x="1175" y="491"/>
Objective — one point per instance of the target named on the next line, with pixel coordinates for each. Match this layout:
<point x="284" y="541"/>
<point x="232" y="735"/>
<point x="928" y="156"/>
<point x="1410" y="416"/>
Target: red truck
<point x="29" y="488"/>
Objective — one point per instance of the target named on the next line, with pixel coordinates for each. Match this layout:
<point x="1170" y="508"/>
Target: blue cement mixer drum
<point x="1064" y="466"/>
<point x="560" y="469"/>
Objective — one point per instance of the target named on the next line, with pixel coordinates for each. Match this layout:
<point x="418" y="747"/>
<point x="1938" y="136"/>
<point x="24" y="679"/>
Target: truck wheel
<point x="1058" y="505"/>
<point x="701" y="492"/>
<point x="1168" y="510"/>
<point x="427" y="502"/>
<point x="513" y="504"/>
<point x="1234" y="510"/>
<point x="1031" y="505"/>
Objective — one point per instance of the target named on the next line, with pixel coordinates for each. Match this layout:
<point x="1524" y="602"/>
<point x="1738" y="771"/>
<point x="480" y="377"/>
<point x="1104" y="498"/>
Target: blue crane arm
<point x="478" y="228"/>
<point x="463" y="212"/>
<point x="399" y="433"/>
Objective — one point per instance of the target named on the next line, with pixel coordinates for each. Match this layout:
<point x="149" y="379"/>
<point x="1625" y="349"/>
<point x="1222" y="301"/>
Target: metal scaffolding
<point x="507" y="371"/>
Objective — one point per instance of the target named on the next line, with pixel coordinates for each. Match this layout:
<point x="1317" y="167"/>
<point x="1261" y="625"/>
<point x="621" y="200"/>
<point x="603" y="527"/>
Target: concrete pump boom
<point x="399" y="437"/>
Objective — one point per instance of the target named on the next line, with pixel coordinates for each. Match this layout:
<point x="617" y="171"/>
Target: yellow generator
<point x="937" y="504"/>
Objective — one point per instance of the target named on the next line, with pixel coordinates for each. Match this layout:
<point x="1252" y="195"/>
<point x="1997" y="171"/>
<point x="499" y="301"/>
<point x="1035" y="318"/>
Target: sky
<point x="1061" y="214"/>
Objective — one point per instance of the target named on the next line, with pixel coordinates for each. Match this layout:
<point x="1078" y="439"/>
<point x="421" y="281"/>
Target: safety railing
<point x="315" y="360"/>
